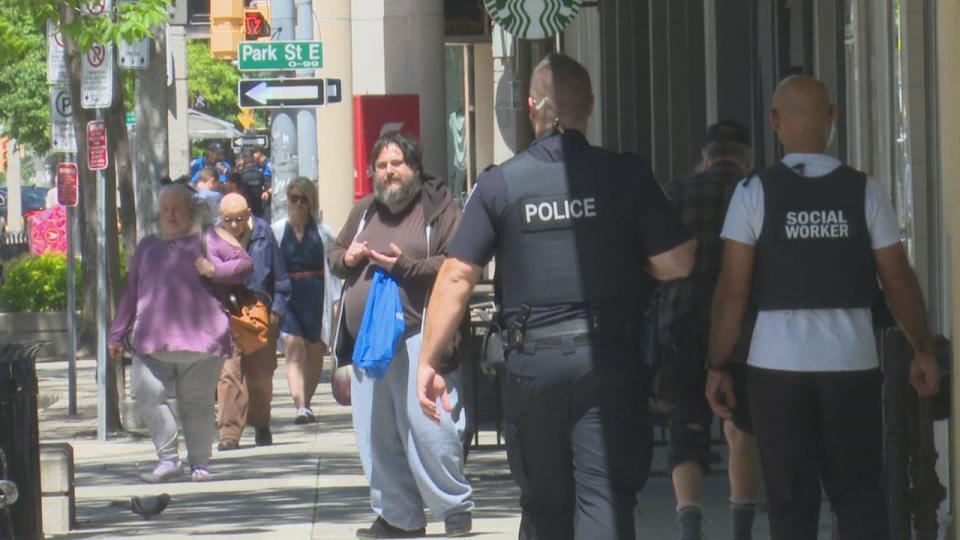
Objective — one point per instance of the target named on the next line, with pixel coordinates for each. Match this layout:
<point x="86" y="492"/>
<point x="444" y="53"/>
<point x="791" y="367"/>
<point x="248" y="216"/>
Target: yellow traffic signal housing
<point x="256" y="22"/>
<point x="4" y="152"/>
<point x="247" y="119"/>
<point x="226" y="28"/>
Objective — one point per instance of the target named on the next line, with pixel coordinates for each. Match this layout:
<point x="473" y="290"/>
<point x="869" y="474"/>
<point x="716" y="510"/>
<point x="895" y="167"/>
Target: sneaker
<point x="227" y="444"/>
<point x="382" y="529"/>
<point x="263" y="437"/>
<point x="165" y="471"/>
<point x="199" y="473"/>
<point x="305" y="416"/>
<point x="458" y="524"/>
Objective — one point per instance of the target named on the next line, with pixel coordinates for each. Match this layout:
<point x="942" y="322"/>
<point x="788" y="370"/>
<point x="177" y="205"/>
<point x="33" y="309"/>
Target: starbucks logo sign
<point x="533" y="19"/>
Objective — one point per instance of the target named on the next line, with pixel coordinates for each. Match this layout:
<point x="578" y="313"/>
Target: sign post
<point x="279" y="55"/>
<point x="68" y="194"/>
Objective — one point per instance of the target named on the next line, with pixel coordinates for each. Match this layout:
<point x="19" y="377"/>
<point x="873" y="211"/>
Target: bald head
<point x="233" y="203"/>
<point x="802" y="114"/>
<point x="235" y="215"/>
<point x="560" y="89"/>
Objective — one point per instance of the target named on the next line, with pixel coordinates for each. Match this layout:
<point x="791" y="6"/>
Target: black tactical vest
<point x="565" y="235"/>
<point x="814" y="251"/>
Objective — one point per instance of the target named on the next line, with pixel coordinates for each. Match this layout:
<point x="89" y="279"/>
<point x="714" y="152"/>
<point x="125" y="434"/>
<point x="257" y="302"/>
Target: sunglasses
<point x="232" y="219"/>
<point x="298" y="199"/>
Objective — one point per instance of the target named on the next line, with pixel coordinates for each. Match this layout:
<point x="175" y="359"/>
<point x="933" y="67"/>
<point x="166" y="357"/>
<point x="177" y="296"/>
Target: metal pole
<point x="102" y="359"/>
<point x="283" y="122"/>
<point x="71" y="308"/>
<point x="306" y="118"/>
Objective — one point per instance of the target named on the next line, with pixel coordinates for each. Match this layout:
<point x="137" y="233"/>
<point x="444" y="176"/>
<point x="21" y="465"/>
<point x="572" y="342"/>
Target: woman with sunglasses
<point x="302" y="238"/>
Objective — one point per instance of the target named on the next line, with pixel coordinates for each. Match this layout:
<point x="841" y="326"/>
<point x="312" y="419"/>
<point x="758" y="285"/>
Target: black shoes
<point x="263" y="437"/>
<point x="459" y="524"/>
<point x="382" y="529"/>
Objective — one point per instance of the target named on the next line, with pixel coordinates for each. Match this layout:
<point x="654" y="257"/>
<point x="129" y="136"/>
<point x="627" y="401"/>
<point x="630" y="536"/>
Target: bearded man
<point x="410" y="462"/>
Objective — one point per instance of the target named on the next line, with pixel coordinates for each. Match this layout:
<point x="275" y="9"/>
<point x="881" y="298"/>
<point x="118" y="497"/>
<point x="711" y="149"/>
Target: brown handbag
<point x="249" y="320"/>
<point x="249" y="317"/>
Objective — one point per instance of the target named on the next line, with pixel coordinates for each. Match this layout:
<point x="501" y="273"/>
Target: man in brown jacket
<point x="402" y="228"/>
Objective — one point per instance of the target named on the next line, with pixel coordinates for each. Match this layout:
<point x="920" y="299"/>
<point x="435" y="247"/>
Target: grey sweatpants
<point x="193" y="383"/>
<point x="409" y="461"/>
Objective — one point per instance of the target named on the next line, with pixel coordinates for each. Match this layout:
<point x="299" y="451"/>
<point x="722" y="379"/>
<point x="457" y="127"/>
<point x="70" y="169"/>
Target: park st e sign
<point x="279" y="55"/>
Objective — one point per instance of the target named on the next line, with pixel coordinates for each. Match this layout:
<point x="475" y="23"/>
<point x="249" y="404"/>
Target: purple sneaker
<point x="165" y="471"/>
<point x="199" y="473"/>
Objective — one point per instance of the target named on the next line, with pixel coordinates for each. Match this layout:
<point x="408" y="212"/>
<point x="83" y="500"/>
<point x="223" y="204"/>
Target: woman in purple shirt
<point x="179" y="333"/>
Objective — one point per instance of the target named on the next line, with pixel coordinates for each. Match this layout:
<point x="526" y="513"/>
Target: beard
<point x="402" y="194"/>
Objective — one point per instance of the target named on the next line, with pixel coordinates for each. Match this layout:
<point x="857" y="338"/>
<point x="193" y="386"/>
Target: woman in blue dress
<point x="302" y="246"/>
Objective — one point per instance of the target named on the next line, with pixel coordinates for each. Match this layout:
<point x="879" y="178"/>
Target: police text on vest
<point x="561" y="210"/>
<point x="815" y="224"/>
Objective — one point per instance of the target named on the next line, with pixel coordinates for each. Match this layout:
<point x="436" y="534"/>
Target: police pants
<point x="578" y="440"/>
<point x="821" y="427"/>
<point x="408" y="460"/>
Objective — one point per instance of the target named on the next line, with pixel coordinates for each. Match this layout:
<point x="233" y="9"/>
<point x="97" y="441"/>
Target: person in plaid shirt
<point x="684" y="325"/>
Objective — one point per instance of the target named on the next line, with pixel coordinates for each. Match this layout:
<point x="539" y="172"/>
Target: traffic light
<point x="256" y="22"/>
<point x="226" y="28"/>
<point x="4" y="151"/>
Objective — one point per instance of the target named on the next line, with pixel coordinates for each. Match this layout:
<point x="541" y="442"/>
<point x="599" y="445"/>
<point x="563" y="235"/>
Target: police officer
<point x="806" y="240"/>
<point x="580" y="234"/>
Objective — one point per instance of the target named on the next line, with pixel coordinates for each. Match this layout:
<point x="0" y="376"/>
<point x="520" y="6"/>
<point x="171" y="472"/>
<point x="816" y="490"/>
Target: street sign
<point x="62" y="135"/>
<point x="280" y="93"/>
<point x="96" y="77"/>
<point x="334" y="91"/>
<point x="135" y="55"/>
<point x="279" y="55"/>
<point x="251" y="140"/>
<point x="97" y="145"/>
<point x="68" y="188"/>
<point x="97" y="8"/>
<point x="56" y="56"/>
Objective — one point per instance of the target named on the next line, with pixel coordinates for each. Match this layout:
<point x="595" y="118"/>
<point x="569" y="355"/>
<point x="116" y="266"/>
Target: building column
<point x="335" y="121"/>
<point x="948" y="41"/>
<point x="398" y="48"/>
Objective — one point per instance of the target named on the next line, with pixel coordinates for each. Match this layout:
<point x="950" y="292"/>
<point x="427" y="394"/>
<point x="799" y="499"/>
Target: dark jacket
<point x="442" y="217"/>
<point x="269" y="272"/>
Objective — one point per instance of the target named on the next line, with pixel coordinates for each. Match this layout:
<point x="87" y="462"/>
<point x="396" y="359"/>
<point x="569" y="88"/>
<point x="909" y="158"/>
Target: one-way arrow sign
<point x="280" y="93"/>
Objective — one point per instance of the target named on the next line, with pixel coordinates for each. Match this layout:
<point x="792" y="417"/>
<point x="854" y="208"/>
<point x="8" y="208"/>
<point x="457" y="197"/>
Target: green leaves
<point x="34" y="283"/>
<point x="215" y="80"/>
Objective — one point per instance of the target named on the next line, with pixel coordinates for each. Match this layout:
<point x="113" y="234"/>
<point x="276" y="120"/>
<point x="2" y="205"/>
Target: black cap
<point x="728" y="131"/>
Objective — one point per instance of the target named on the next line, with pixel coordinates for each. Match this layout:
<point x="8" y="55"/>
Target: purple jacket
<point x="168" y="305"/>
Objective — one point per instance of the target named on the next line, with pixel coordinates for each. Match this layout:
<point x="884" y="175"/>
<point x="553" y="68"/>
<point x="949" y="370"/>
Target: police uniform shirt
<point x="812" y="339"/>
<point x="477" y="238"/>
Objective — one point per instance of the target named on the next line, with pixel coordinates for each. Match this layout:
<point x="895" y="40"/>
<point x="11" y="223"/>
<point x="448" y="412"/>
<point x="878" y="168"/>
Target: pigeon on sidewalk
<point x="146" y="506"/>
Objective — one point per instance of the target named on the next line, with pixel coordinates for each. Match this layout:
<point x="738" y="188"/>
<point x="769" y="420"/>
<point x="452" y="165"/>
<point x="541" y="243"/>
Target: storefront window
<point x="903" y="179"/>
<point x="457" y="140"/>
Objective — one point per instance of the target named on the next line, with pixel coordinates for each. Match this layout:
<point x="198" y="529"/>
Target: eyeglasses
<point x="237" y="220"/>
<point x="298" y="199"/>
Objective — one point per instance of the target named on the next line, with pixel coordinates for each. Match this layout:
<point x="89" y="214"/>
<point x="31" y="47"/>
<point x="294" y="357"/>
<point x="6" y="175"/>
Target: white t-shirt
<point x="812" y="339"/>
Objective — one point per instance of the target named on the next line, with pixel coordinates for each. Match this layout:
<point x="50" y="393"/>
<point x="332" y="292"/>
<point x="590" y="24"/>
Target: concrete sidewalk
<point x="308" y="485"/>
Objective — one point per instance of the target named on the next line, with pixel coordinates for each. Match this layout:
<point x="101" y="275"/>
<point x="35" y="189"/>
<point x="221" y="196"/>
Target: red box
<point x="372" y="117"/>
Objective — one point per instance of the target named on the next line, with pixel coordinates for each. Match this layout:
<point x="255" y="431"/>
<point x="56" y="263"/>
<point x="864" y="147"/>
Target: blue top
<point x="269" y="271"/>
<point x="223" y="167"/>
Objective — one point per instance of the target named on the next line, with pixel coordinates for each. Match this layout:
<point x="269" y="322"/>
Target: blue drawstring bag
<point x="381" y="328"/>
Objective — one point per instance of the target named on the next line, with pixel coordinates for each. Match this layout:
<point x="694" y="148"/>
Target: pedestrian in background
<point x="179" y="333"/>
<point x="245" y="389"/>
<point x="209" y="189"/>
<point x="702" y="200"/>
<point x="301" y="243"/>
